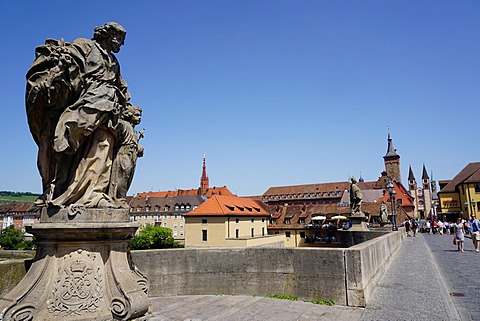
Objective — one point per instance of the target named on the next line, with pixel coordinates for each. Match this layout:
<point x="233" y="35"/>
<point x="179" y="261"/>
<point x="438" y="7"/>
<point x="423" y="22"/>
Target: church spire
<point x="425" y="174"/>
<point x="204" y="185"/>
<point x="391" y="151"/>
<point x="411" y="177"/>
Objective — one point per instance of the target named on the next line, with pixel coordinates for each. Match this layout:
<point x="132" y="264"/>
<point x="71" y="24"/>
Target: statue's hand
<point x="140" y="151"/>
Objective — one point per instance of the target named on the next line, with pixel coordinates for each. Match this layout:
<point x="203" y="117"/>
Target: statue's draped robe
<point x="74" y="95"/>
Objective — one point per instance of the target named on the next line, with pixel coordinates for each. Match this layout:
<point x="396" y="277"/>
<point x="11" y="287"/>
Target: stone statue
<point x="355" y="198"/>
<point x="81" y="118"/>
<point x="383" y="212"/>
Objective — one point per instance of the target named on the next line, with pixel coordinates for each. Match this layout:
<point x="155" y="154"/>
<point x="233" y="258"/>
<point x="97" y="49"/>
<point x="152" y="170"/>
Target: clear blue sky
<point x="273" y="92"/>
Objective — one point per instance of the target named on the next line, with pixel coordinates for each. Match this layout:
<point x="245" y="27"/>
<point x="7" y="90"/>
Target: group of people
<point x="411" y="226"/>
<point x="459" y="229"/>
<point x="462" y="227"/>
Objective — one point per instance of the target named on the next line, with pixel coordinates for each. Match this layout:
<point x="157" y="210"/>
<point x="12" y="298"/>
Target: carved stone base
<point x="81" y="271"/>
<point x="358" y="223"/>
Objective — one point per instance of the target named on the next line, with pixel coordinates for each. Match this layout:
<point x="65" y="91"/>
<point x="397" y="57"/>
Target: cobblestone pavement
<point x="411" y="287"/>
<point x="460" y="271"/>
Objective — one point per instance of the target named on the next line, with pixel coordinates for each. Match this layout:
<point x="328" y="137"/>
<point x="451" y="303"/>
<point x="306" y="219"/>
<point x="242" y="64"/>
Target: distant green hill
<point x="19" y="197"/>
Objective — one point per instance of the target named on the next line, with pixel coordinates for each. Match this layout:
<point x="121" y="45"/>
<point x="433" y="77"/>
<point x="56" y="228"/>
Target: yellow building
<point x="461" y="196"/>
<point x="229" y="221"/>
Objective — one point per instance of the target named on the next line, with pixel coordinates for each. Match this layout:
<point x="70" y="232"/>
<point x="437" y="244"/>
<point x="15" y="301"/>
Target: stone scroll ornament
<point x="81" y="118"/>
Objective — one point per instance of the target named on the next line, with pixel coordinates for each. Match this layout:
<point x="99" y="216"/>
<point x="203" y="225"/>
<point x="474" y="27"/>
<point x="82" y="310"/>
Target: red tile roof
<point x="230" y="206"/>
<point x="188" y="192"/>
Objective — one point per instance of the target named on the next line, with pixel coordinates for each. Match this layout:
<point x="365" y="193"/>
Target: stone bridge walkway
<point x="427" y="279"/>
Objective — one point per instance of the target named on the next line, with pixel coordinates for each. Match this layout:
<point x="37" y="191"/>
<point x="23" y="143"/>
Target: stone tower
<point x="204" y="184"/>
<point x="412" y="188"/>
<point x="427" y="194"/>
<point x="392" y="161"/>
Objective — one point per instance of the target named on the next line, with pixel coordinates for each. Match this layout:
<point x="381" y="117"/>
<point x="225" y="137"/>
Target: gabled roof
<point x="230" y="206"/>
<point x="223" y="190"/>
<point x="469" y="174"/>
<point x="315" y="188"/>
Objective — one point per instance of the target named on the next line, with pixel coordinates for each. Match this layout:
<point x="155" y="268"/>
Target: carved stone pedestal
<point x="358" y="223"/>
<point x="81" y="271"/>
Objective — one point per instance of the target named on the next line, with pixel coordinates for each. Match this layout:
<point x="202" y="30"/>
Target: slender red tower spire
<point x="204" y="179"/>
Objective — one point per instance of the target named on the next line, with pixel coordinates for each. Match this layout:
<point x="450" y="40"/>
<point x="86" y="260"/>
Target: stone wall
<point x="365" y="263"/>
<point x="11" y="273"/>
<point x="346" y="276"/>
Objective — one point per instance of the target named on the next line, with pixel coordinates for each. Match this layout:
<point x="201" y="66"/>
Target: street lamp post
<point x="391" y="191"/>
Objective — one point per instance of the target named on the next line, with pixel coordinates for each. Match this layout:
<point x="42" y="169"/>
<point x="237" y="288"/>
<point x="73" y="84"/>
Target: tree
<point x="11" y="239"/>
<point x="154" y="237"/>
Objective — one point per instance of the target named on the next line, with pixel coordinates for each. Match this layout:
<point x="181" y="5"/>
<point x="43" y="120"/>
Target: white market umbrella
<point x="338" y="217"/>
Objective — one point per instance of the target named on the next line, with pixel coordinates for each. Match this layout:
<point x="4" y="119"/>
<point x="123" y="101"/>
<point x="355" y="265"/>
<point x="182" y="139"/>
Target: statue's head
<point x="132" y="114"/>
<point x="353" y="180"/>
<point x="111" y="36"/>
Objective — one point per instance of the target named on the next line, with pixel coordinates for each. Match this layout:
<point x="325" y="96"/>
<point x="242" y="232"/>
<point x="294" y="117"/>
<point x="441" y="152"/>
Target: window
<point x="237" y="220"/>
<point x="147" y="208"/>
<point x="263" y="220"/>
<point x="477" y="187"/>
<point x="176" y="207"/>
<point x="204" y="221"/>
<point x="165" y="216"/>
<point x="176" y="216"/>
<point x="237" y="233"/>
<point x="157" y="208"/>
<point x="175" y="225"/>
<point x="263" y="231"/>
<point x="302" y="235"/>
<point x="252" y="220"/>
<point x="187" y="207"/>
<point x="287" y="221"/>
<point x="181" y="233"/>
<point x="287" y="234"/>
<point x="301" y="221"/>
<point x="204" y="235"/>
<point x="166" y="208"/>
<point x="181" y="224"/>
<point x="165" y="224"/>
<point x="175" y="233"/>
<point x="253" y="232"/>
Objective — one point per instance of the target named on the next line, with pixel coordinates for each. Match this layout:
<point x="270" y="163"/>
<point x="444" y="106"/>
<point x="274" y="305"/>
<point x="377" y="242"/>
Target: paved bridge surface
<point x="426" y="279"/>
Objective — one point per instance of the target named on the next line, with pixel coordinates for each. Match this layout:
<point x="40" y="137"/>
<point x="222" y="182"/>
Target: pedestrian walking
<point x="447" y="227"/>
<point x="440" y="227"/>
<point x="407" y="226"/>
<point x="428" y="227"/>
<point x="459" y="236"/>
<point x="474" y="228"/>
<point x="414" y="227"/>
